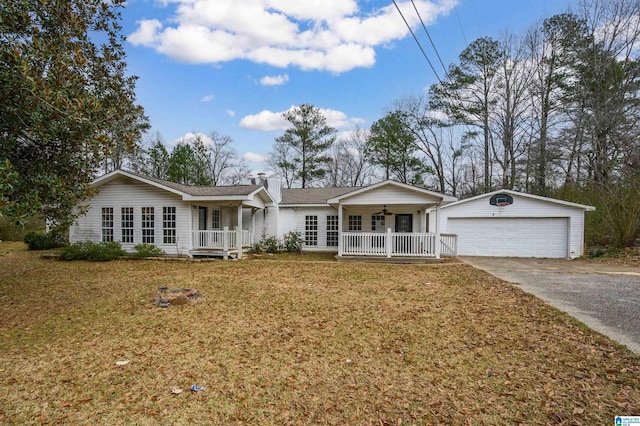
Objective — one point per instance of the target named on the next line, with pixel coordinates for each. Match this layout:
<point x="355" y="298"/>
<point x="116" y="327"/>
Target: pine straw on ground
<point x="296" y="343"/>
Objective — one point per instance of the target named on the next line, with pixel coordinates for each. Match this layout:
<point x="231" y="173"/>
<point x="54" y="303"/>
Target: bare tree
<point x="512" y="108"/>
<point x="348" y="165"/>
<point x="280" y="162"/>
<point x="222" y="158"/>
<point x="425" y="125"/>
<point x="467" y="96"/>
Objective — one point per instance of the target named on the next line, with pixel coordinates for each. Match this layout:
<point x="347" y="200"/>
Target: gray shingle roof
<point x="313" y="195"/>
<point x="205" y="191"/>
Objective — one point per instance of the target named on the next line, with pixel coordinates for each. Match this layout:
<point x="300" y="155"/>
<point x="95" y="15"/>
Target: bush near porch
<point x="285" y="342"/>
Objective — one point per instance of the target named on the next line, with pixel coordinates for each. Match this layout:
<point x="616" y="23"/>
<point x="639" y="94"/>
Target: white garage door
<point x="511" y="237"/>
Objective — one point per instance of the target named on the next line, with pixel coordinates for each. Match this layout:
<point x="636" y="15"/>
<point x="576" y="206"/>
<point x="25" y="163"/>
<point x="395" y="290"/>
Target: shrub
<point x="270" y="244"/>
<point x="148" y="250"/>
<point x="293" y="242"/>
<point x="97" y="252"/>
<point x="256" y="248"/>
<point x="43" y="240"/>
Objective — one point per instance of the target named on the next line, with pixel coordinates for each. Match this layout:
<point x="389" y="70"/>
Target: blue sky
<point x="233" y="66"/>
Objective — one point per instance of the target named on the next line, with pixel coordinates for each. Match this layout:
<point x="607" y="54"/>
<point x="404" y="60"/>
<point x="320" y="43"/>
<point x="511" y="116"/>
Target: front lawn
<point x="284" y="342"/>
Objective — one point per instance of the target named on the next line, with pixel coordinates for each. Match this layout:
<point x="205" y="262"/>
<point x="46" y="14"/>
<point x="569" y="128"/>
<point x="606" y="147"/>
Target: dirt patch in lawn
<point x="296" y="343"/>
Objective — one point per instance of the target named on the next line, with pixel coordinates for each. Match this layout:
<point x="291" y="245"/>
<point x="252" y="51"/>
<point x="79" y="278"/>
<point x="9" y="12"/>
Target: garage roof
<point x="525" y="195"/>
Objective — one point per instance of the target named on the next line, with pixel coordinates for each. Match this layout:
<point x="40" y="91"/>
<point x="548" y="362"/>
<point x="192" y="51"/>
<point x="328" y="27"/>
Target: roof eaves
<point x="113" y="175"/>
<point x="522" y="194"/>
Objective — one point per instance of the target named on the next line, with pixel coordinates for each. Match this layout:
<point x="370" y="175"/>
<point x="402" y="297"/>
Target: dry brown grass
<point x="295" y="343"/>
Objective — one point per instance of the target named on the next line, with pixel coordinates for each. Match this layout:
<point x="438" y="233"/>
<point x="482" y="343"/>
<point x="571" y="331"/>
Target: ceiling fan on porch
<point x="384" y="211"/>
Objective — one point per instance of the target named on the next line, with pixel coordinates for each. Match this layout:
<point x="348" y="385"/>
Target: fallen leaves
<point x="272" y="342"/>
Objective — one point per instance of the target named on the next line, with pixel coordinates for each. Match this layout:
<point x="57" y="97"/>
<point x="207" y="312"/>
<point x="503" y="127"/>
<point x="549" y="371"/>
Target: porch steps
<point x="231" y="254"/>
<point x="381" y="259"/>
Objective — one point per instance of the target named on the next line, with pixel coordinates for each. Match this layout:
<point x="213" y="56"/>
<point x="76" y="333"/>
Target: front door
<point x="404" y="223"/>
<point x="202" y="218"/>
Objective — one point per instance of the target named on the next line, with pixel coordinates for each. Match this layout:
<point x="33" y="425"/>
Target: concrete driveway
<point x="604" y="297"/>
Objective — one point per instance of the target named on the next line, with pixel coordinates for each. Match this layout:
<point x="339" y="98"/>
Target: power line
<point x="464" y="36"/>
<point x="429" y="36"/>
<point x="418" y="42"/>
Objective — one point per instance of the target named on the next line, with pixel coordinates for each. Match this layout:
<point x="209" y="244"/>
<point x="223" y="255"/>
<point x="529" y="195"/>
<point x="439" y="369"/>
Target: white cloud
<point x="268" y="120"/>
<point x="207" y="98"/>
<point x="231" y="112"/>
<point x="265" y="121"/>
<point x="255" y="158"/>
<point x="146" y="34"/>
<point x="191" y="137"/>
<point x="327" y="35"/>
<point x="275" y="80"/>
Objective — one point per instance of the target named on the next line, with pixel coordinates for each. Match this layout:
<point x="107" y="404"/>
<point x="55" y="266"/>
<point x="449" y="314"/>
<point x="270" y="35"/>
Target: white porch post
<point x="253" y="227"/>
<point x="438" y="243"/>
<point x="340" y="248"/>
<point x="239" y="231"/>
<point x="225" y="239"/>
<point x="389" y="242"/>
<point x="190" y="228"/>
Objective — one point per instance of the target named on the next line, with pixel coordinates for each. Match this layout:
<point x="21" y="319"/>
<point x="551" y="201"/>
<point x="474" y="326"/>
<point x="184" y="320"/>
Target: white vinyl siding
<point x="523" y="208"/>
<point x="294" y="219"/>
<point x="389" y="195"/>
<point x="122" y="194"/>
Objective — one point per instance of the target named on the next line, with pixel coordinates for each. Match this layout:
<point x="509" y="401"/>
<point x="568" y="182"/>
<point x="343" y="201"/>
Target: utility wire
<point x="418" y="42"/>
<point x="429" y="35"/>
<point x="464" y="36"/>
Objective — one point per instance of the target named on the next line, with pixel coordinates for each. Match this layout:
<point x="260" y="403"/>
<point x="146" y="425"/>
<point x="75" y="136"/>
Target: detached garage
<point x="508" y="223"/>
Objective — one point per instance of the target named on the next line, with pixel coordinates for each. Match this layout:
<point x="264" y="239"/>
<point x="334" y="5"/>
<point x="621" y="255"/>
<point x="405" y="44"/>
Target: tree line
<point x="196" y="159"/>
<point x="553" y="111"/>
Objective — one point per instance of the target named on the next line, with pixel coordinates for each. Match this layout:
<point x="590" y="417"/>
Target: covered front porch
<point x="221" y="242"/>
<point x="391" y="220"/>
<point x="225" y="227"/>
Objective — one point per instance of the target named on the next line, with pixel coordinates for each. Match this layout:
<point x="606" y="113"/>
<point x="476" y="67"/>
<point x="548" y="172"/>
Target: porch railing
<point x="220" y="239"/>
<point x="397" y="244"/>
<point x="449" y="245"/>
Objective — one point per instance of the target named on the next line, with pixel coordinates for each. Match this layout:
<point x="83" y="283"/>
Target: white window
<point x="169" y="225"/>
<point x="127" y="224"/>
<point x="215" y="219"/>
<point x="332" y="231"/>
<point x="377" y="223"/>
<point x="311" y="230"/>
<point x="107" y="224"/>
<point x="355" y="223"/>
<point x="148" y="225"/>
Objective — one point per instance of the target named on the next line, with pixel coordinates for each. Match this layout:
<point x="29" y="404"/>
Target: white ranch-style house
<point x="385" y="220"/>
